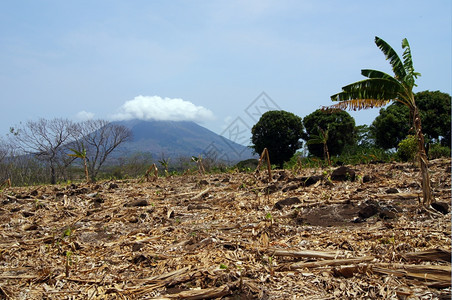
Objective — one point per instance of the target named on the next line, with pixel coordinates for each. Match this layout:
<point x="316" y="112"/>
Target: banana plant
<point x="165" y="163"/>
<point x="81" y="154"/>
<point x="380" y="89"/>
<point x="322" y="138"/>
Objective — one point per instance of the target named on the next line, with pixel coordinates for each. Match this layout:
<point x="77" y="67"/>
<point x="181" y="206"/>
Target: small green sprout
<point x="67" y="232"/>
<point x="68" y="262"/>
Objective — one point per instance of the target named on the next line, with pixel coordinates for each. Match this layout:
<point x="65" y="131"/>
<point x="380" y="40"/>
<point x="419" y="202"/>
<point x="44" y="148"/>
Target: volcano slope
<point x="232" y="235"/>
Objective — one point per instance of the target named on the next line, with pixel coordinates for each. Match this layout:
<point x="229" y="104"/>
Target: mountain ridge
<point x="180" y="139"/>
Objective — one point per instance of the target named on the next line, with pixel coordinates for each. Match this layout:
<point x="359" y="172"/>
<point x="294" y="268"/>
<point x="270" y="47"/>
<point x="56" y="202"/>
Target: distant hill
<point x="180" y="139"/>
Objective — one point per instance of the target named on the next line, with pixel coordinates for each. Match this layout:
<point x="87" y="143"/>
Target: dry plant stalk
<point x="201" y="169"/>
<point x="269" y="167"/>
<point x="299" y="165"/>
<point x="6" y="183"/>
<point x="152" y="169"/>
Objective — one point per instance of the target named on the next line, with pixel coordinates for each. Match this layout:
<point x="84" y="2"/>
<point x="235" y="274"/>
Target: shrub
<point x="437" y="151"/>
<point x="407" y="149"/>
<point x="359" y="155"/>
<point x="250" y="164"/>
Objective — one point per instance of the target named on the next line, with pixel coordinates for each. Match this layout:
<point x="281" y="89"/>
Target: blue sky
<point x="206" y="61"/>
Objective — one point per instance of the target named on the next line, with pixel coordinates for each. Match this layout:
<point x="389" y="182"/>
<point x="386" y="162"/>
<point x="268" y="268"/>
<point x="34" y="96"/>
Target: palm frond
<point x="380" y="88"/>
<point x="373" y="88"/>
<point x="408" y="64"/>
<point x="76" y="153"/>
<point x="377" y="74"/>
<point x="321" y="137"/>
<point x="407" y="61"/>
<point x="396" y="63"/>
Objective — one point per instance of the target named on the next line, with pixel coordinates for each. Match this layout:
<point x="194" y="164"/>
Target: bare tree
<point x="135" y="164"/>
<point x="100" y="138"/>
<point x="5" y="153"/>
<point x="45" y="139"/>
<point x="3" y="150"/>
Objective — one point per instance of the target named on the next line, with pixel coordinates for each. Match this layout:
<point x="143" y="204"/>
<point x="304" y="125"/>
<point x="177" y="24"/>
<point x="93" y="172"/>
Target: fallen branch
<point x="331" y="262"/>
<point x="18" y="276"/>
<point x="399" y="196"/>
<point x="164" y="276"/>
<point x="209" y="293"/>
<point x="437" y="254"/>
<point x="201" y="194"/>
<point x="434" y="276"/>
<point x="305" y="253"/>
<point x="169" y="279"/>
<point x="79" y="280"/>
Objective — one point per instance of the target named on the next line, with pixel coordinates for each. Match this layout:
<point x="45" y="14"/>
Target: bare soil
<point x="222" y="236"/>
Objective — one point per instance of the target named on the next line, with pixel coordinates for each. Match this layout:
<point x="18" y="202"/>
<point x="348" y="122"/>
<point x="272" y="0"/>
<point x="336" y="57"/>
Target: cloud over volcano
<point x="162" y="109"/>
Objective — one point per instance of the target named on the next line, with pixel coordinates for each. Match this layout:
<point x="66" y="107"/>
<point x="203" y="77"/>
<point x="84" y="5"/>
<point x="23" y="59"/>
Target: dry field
<point x="230" y="236"/>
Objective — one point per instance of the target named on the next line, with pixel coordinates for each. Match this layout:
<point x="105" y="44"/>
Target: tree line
<point x="333" y="132"/>
<point x="40" y="151"/>
<point x="43" y="151"/>
<point x="377" y="90"/>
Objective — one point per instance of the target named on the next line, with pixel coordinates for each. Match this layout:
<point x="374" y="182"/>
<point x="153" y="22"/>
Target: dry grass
<point x="219" y="235"/>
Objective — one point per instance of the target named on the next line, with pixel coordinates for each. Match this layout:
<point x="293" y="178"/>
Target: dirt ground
<point x="300" y="235"/>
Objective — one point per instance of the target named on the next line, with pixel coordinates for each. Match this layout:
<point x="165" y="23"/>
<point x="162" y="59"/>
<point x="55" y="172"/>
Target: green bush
<point x="250" y="164"/>
<point x="350" y="156"/>
<point x="407" y="149"/>
<point x="437" y="151"/>
<point x="364" y="156"/>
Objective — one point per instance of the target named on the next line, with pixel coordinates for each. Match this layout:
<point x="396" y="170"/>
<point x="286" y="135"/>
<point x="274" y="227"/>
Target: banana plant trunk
<point x="326" y="154"/>
<point x="423" y="160"/>
<point x="86" y="169"/>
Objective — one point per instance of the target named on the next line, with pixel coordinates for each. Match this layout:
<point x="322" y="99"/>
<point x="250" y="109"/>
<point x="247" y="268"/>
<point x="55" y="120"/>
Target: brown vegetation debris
<point x="222" y="236"/>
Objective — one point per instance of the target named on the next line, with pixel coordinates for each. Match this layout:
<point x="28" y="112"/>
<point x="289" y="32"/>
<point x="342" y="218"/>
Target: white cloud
<point x="84" y="115"/>
<point x="162" y="109"/>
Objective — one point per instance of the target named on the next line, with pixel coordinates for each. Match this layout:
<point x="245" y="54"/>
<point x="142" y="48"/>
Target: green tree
<point x="341" y="130"/>
<point x="393" y="123"/>
<point x="380" y="88"/>
<point x="391" y="126"/>
<point x="435" y="115"/>
<point x="364" y="137"/>
<point x="280" y="132"/>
